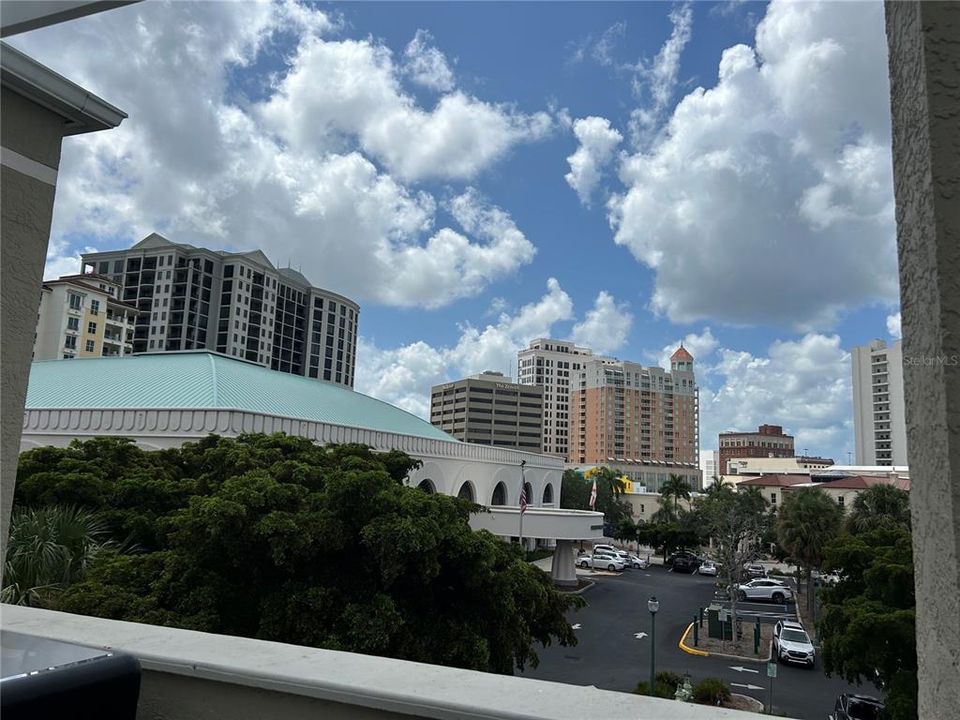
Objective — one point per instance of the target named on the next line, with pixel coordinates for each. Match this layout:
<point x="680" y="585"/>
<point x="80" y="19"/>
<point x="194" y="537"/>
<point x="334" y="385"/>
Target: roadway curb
<point x="686" y="648"/>
<point x="590" y="584"/>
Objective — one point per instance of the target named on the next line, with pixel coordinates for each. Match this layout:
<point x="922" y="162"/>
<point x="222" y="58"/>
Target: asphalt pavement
<point x="615" y="634"/>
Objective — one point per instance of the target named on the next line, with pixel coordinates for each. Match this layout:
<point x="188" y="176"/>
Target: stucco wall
<point x="30" y="137"/>
<point x="925" y="101"/>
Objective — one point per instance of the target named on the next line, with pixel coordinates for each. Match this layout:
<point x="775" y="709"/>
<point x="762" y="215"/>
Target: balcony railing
<point x="189" y="674"/>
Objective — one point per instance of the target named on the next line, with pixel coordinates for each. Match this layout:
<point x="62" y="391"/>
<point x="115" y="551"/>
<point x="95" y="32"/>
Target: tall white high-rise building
<point x="879" y="421"/>
<point x="550" y="364"/>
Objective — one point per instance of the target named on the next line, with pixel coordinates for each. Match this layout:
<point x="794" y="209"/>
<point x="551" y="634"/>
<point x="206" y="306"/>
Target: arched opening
<point x="499" y="494"/>
<point x="528" y="491"/>
<point x="548" y="494"/>
<point x="466" y="492"/>
<point x="427" y="486"/>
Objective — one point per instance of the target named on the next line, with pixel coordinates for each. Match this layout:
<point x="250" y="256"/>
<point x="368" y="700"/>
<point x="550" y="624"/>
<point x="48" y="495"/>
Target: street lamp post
<point x="653" y="606"/>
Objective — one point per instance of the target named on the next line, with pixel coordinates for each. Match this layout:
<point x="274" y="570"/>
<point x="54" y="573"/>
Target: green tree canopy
<point x="735" y="521"/>
<point x="277" y="538"/>
<point x="576" y="489"/>
<point x="868" y="624"/>
<point x="880" y="506"/>
<point x="677" y="488"/>
<point x="809" y="519"/>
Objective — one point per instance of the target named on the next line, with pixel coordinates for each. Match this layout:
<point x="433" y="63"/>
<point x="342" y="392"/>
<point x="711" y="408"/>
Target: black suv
<point x="857" y="707"/>
<point x="683" y="561"/>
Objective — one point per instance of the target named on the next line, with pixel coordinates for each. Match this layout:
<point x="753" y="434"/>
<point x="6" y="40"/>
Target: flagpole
<point x="523" y="488"/>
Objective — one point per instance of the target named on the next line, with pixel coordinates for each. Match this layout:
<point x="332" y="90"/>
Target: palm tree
<point x="49" y="549"/>
<point x="881" y="506"/>
<point x="676" y="487"/>
<point x="809" y="519"/>
<point x="715" y="487"/>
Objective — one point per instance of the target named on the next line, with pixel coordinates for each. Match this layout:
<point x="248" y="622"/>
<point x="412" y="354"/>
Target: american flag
<point x="593" y="495"/>
<point x="523" y="499"/>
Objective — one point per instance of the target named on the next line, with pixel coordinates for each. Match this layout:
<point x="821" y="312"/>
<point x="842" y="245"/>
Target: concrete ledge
<point x="191" y="674"/>
<point x="686" y="648"/>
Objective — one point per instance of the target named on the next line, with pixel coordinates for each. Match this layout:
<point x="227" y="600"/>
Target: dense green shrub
<point x="666" y="685"/>
<point x="711" y="691"/>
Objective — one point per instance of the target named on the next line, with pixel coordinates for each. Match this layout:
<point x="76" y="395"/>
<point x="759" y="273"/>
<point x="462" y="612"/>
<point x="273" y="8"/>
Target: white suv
<point x="792" y="644"/>
<point x="764" y="589"/>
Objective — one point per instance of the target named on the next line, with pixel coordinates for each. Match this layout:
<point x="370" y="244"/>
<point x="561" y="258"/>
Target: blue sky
<point x="479" y="174"/>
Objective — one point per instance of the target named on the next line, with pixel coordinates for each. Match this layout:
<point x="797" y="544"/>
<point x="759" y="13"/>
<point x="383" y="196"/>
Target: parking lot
<point x="614" y="634"/>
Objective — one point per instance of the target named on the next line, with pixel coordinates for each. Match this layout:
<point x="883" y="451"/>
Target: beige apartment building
<point x="81" y="316"/>
<point x="626" y="415"/>
<point x="488" y="409"/>
<point x="552" y="364"/>
<point x="239" y="304"/>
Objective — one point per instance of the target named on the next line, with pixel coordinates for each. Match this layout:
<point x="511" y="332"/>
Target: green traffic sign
<point x="771" y="669"/>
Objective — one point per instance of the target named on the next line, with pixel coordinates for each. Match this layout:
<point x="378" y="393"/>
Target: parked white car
<point x="601" y="561"/>
<point x="708" y="567"/>
<point x="638" y="562"/>
<point x="792" y="644"/>
<point x="764" y="589"/>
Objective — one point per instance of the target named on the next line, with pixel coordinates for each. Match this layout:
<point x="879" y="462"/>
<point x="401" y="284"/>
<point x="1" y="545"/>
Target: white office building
<point x="879" y="422"/>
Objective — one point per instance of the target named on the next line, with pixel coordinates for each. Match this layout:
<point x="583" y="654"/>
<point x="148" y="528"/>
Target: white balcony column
<point x="925" y="100"/>
<point x="563" y="572"/>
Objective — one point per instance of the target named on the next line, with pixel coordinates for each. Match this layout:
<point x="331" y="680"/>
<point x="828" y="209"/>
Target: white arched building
<point x="165" y="399"/>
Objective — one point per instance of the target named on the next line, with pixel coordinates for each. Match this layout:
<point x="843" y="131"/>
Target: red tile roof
<point x="862" y="482"/>
<point x="776" y="480"/>
<point x="681" y="355"/>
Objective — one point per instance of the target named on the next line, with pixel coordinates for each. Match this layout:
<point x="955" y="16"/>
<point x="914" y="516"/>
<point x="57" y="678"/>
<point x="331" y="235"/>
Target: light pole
<point x="653" y="606"/>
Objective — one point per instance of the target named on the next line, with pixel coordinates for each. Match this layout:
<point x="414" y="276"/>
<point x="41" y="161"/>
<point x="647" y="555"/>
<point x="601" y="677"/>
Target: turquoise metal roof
<point x="205" y="380"/>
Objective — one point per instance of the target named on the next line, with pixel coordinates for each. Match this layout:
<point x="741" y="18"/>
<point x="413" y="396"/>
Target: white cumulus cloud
<point x="426" y="65"/>
<point x="767" y="198"/>
<point x="656" y="80"/>
<point x="597" y="143"/>
<point x="404" y="375"/>
<point x="316" y="164"/>
<point x="803" y="385"/>
<point x="893" y="326"/>
<point x="605" y="327"/>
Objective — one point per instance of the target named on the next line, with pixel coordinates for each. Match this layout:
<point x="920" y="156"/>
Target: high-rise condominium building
<point x="551" y="364"/>
<point x="488" y="409"/>
<point x="623" y="412"/>
<point x="81" y="316"/>
<point x="238" y="304"/>
<point x="769" y="441"/>
<point x="879" y="422"/>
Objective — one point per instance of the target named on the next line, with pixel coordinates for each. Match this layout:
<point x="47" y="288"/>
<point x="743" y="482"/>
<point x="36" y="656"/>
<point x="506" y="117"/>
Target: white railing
<point x="190" y="674"/>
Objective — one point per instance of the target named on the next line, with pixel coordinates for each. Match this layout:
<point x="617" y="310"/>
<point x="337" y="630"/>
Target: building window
<point x="89" y="345"/>
<point x="73" y="324"/>
<point x="92" y="328"/>
<point x="840" y="501"/>
<point x="773" y="498"/>
<point x="94" y="307"/>
<point x="71" y="342"/>
<point x="76" y="302"/>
